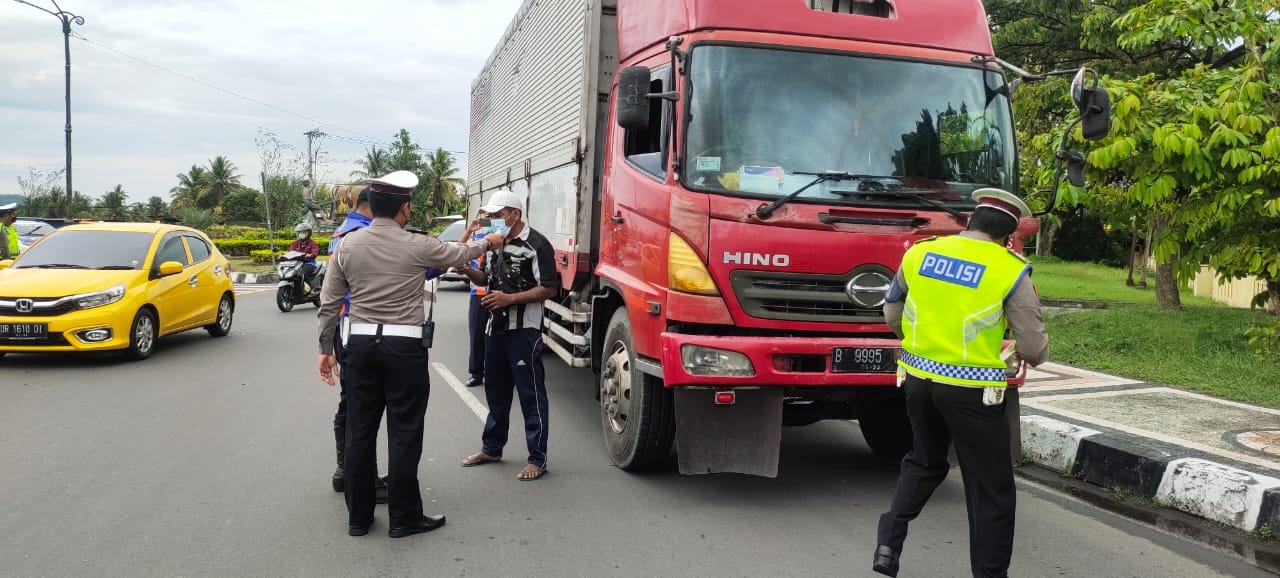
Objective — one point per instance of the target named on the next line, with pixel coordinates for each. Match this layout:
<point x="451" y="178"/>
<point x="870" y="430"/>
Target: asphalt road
<point x="213" y="459"/>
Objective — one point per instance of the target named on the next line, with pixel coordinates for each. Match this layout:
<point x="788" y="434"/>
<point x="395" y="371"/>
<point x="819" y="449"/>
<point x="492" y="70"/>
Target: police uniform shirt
<point x="1021" y="310"/>
<point x="524" y="262"/>
<point x="381" y="266"/>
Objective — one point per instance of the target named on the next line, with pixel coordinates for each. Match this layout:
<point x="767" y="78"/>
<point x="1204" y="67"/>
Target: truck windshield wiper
<point x="915" y="195"/>
<point x="764" y="211"/>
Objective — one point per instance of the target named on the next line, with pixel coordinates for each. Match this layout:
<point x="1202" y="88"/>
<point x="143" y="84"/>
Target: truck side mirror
<point x="1094" y="104"/>
<point x="633" y="100"/>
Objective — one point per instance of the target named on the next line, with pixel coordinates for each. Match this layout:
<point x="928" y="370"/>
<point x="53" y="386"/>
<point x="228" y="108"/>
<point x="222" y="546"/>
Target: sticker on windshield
<point x="708" y="164"/>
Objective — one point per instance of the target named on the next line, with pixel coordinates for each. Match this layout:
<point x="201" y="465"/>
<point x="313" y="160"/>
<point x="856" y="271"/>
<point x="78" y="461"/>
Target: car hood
<point x="61" y="282"/>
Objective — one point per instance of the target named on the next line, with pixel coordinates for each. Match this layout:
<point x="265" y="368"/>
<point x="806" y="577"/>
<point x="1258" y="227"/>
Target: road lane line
<point x="472" y="402"/>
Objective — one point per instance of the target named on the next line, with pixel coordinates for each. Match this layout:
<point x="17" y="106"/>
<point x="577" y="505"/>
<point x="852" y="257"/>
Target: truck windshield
<point x="759" y="116"/>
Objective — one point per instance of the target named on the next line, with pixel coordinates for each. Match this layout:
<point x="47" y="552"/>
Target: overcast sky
<point x="370" y="67"/>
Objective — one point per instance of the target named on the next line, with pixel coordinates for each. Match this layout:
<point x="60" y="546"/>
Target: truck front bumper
<point x="781" y="362"/>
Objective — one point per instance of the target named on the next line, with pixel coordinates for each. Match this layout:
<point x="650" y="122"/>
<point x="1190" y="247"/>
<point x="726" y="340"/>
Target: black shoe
<point x="358" y="530"/>
<point x="475" y="381"/>
<point x="338" y="485"/>
<point x="380" y="491"/>
<point x="427" y="524"/>
<point x="886" y="561"/>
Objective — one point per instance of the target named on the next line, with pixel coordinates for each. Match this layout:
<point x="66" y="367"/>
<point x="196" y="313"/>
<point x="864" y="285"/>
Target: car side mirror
<point x="633" y="99"/>
<point x="5" y="264"/>
<point x="170" y="268"/>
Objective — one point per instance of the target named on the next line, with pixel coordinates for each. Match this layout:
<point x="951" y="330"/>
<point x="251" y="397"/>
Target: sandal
<point x="531" y="473"/>
<point x="480" y="459"/>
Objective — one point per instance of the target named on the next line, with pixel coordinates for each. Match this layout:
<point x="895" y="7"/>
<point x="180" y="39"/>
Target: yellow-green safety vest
<point x="953" y="322"/>
<point x="11" y="235"/>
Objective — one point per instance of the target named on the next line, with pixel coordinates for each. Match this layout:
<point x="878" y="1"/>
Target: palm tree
<point x="190" y="187"/>
<point x="438" y="175"/>
<point x="222" y="181"/>
<point x="376" y="162"/>
<point x="112" y="206"/>
<point x="156" y="208"/>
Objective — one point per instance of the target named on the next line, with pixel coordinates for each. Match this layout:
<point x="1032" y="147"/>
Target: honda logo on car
<point x="24" y="305"/>
<point x="743" y="258"/>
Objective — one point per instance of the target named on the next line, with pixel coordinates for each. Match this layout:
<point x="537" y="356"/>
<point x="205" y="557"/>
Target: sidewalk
<point x="1216" y="459"/>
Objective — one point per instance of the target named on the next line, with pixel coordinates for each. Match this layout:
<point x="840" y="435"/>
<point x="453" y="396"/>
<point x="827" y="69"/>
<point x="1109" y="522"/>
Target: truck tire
<point x="887" y="428"/>
<point x="636" y="411"/>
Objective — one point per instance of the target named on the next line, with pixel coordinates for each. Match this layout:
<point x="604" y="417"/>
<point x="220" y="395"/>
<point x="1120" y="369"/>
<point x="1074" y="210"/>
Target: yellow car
<point x="113" y="286"/>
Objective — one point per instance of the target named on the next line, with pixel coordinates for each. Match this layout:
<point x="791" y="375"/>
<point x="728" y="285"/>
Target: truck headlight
<point x="685" y="271"/>
<point x="100" y="298"/>
<point x="700" y="360"/>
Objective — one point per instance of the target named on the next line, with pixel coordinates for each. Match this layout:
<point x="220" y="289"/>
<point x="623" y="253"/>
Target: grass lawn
<point x="1058" y="279"/>
<point x="1201" y="348"/>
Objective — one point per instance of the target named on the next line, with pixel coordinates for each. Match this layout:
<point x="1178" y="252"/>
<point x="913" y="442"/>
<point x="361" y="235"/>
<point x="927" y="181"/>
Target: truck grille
<point x="806" y="297"/>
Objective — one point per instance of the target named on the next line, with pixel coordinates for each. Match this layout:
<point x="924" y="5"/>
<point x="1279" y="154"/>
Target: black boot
<point x="340" y="436"/>
<point x="886" y="561"/>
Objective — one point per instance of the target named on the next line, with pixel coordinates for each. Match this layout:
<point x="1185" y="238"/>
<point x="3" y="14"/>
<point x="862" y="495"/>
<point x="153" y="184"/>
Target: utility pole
<point x="67" y="19"/>
<point x="311" y="135"/>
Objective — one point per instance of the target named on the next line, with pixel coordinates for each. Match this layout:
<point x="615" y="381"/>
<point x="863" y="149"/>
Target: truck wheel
<point x="637" y="412"/>
<point x="886" y="427"/>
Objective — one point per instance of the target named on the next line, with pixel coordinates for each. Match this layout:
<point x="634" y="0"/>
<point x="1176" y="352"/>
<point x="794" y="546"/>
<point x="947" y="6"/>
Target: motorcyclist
<point x="309" y="248"/>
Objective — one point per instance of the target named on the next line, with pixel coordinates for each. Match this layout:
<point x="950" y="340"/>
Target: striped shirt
<point x="524" y="262"/>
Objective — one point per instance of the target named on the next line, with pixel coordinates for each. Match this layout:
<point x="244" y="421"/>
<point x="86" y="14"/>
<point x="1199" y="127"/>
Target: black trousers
<point x="477" y="318"/>
<point x="940" y="415"/>
<point x="340" y="416"/>
<point x="514" y="364"/>
<point x="385" y="373"/>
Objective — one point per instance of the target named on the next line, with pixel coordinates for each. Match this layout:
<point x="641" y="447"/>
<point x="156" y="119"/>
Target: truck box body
<point x="759" y="93"/>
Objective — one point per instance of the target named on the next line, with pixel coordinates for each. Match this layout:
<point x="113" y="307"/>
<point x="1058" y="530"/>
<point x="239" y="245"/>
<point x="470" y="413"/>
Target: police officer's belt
<point x="413" y="331"/>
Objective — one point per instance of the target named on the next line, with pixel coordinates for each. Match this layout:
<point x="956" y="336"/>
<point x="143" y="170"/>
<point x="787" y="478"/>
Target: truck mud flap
<point x="743" y="438"/>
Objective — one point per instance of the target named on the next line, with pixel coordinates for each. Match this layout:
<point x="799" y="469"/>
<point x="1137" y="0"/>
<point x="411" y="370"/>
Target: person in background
<point x="309" y="248"/>
<point x="477" y="315"/>
<point x="9" y="247"/>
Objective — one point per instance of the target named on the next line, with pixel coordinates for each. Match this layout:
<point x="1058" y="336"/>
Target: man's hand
<point x="327" y="365"/>
<point x="495" y="300"/>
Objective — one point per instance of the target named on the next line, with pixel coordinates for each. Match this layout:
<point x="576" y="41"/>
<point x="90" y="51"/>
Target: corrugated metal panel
<point x="527" y="102"/>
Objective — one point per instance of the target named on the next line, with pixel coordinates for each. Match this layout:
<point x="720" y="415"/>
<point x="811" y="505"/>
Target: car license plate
<point x="24" y="331"/>
<point x="864" y="360"/>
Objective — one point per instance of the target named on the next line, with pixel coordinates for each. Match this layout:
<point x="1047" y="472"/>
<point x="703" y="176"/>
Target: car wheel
<point x="284" y="298"/>
<point x="222" y="325"/>
<point x="142" y="335"/>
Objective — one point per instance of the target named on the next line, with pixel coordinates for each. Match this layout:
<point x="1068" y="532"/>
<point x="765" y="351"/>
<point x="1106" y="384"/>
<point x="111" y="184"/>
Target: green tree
<point x="243" y="206"/>
<point x="221" y="181"/>
<point x="376" y="162"/>
<point x="440" y="177"/>
<point x="156" y="208"/>
<point x="190" y="187"/>
<point x="113" y="206"/>
<point x="138" y="213"/>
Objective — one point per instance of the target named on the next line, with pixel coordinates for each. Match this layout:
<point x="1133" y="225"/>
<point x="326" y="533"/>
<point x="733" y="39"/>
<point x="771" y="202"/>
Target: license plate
<point x="24" y="331"/>
<point x="864" y="360"/>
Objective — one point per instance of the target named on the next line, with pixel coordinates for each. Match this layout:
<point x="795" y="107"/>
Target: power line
<point x="365" y="140"/>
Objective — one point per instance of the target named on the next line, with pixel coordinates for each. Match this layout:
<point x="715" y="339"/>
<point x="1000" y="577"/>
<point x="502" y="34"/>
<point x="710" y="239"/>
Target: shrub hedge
<point x="246" y="247"/>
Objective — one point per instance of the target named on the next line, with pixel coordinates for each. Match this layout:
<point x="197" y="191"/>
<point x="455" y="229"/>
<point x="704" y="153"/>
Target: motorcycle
<point x="292" y="288"/>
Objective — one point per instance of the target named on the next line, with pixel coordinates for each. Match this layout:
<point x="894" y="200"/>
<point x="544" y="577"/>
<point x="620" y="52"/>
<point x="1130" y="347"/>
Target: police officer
<point x="382" y="268"/>
<point x="9" y="248"/>
<point x="951" y="302"/>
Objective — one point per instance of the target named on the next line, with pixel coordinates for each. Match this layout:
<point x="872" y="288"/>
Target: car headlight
<point x="100" y="298"/>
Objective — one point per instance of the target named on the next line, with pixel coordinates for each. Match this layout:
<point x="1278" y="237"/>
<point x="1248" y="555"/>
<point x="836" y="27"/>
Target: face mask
<point x="500" y="227"/>
<point x="302" y="236"/>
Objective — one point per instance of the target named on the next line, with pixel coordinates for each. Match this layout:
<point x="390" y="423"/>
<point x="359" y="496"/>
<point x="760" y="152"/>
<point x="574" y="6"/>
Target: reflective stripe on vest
<point x="953" y="322"/>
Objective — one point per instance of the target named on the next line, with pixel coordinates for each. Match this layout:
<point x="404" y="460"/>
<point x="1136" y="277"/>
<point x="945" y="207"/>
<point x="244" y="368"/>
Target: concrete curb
<point x="1241" y="499"/>
<point x="253" y="279"/>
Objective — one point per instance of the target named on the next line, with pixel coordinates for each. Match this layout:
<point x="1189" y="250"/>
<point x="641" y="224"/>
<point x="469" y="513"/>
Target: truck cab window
<point x="647" y="149"/>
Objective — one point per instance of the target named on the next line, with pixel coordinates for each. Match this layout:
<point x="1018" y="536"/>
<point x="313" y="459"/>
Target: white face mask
<point x="302" y="236"/>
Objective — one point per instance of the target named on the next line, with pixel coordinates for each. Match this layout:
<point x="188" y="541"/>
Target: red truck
<point x="730" y="186"/>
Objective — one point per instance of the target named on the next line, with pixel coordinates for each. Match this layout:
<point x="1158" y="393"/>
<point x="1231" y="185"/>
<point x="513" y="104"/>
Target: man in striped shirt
<point x="521" y="276"/>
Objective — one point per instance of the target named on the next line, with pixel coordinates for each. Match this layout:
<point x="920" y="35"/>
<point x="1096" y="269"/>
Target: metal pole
<point x="66" y="49"/>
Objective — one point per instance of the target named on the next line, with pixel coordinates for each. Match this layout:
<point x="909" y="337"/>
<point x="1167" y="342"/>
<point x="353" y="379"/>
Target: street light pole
<point x="66" y="18"/>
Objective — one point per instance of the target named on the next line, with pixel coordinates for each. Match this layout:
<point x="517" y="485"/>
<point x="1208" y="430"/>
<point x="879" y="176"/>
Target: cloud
<point x="370" y="69"/>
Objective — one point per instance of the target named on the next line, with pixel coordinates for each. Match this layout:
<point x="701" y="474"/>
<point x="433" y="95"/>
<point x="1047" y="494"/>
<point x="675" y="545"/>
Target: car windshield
<point x="32" y="229"/>
<point x="88" y="250"/>
<point x="760" y="116"/>
<point x="452" y="232"/>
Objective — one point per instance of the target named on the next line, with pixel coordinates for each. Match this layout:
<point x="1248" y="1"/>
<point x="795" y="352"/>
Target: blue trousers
<point x="513" y="364"/>
<point x="477" y="318"/>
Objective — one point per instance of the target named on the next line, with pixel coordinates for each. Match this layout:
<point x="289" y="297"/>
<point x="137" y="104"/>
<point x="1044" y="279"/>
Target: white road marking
<point x="251" y="289"/>
<point x="467" y="397"/>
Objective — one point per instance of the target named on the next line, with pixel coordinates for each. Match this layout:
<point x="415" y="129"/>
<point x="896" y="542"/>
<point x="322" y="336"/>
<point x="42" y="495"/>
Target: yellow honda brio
<point x="113" y="286"/>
